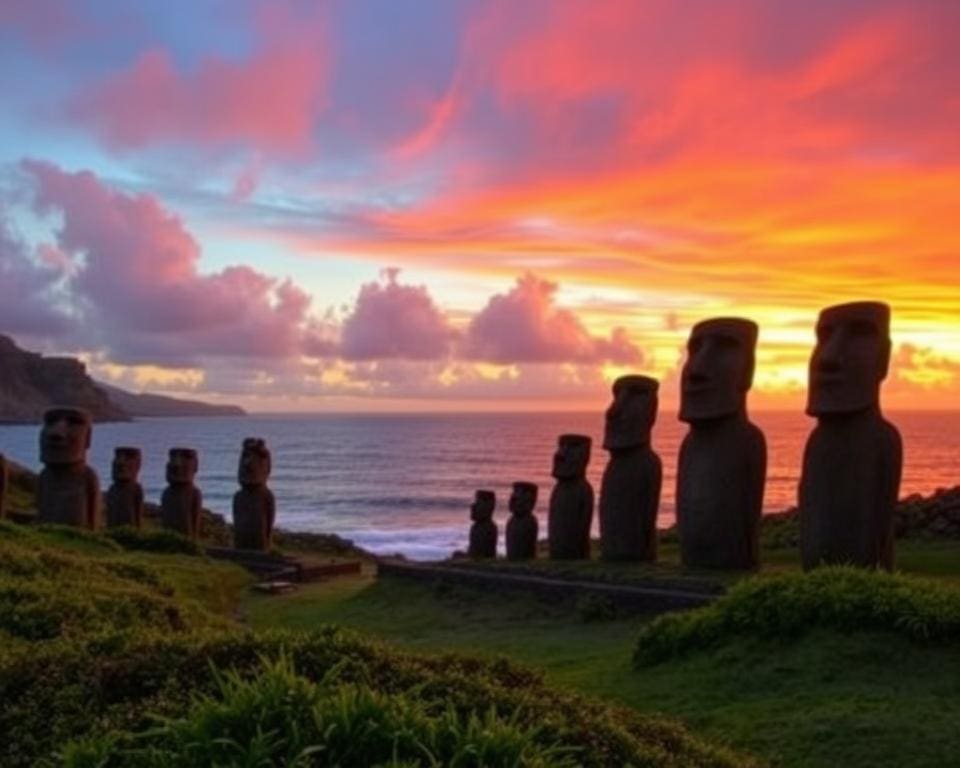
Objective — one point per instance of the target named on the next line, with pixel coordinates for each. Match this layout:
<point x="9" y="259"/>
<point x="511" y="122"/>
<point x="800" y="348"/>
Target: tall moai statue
<point x="522" y="527"/>
<point x="3" y="486"/>
<point x="854" y="457"/>
<point x="182" y="502"/>
<point x="124" y="498"/>
<point x="723" y="458"/>
<point x="254" y="508"/>
<point x="68" y="491"/>
<point x="483" y="532"/>
<point x="571" y="502"/>
<point x="630" y="489"/>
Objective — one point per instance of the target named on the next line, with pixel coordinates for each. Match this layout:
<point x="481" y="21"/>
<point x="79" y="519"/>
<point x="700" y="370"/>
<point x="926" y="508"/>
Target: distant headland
<point x="30" y="383"/>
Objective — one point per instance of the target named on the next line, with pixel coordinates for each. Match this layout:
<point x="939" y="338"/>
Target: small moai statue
<point x="522" y="527"/>
<point x="68" y="491"/>
<point x="182" y="502"/>
<point x="854" y="457"/>
<point x="571" y="502"/>
<point x="254" y="507"/>
<point x="124" y="498"/>
<point x="630" y="490"/>
<point x="3" y="486"/>
<point x="483" y="532"/>
<point x="723" y="458"/>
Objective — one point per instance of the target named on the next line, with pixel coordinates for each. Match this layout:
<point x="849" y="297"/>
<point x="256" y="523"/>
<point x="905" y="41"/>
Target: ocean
<point x="403" y="483"/>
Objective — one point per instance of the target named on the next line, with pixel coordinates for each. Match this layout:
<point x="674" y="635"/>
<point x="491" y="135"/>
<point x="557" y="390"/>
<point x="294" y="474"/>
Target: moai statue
<point x="571" y="502"/>
<point x="630" y="490"/>
<point x="854" y="457"/>
<point x="182" y="501"/>
<point x="3" y="486"/>
<point x="68" y="491"/>
<point x="483" y="532"/>
<point x="723" y="458"/>
<point x="254" y="508"/>
<point x="124" y="499"/>
<point x="522" y="526"/>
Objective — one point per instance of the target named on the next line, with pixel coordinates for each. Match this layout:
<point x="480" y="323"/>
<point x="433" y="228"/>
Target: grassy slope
<point x="824" y="700"/>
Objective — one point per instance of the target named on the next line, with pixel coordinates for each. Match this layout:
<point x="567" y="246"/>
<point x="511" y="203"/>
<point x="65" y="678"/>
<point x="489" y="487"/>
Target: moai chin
<point x="68" y="491"/>
<point x="182" y="502"/>
<point x="3" y="486"/>
<point x="124" y="498"/>
<point x="723" y="458"/>
<point x="630" y="489"/>
<point x="571" y="502"/>
<point x="522" y="527"/>
<point x="254" y="507"/>
<point x="483" y="532"/>
<point x="854" y="457"/>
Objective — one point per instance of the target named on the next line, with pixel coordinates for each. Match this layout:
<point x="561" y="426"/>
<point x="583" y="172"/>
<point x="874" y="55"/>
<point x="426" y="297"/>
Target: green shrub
<point x="104" y="694"/>
<point x="786" y="606"/>
<point x="161" y="540"/>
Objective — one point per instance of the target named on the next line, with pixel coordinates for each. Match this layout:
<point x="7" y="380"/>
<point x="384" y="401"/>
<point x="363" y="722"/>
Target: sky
<point x="474" y="204"/>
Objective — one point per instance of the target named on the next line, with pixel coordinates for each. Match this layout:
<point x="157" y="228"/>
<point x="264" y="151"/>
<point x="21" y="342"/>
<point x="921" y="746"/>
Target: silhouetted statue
<point x="68" y="491"/>
<point x="630" y="490"/>
<point x="254" y="508"/>
<point x="854" y="457"/>
<point x="182" y="502"/>
<point x="124" y="498"/>
<point x="723" y="458"/>
<point x="483" y="532"/>
<point x="3" y="486"/>
<point x="571" y="502"/>
<point x="522" y="526"/>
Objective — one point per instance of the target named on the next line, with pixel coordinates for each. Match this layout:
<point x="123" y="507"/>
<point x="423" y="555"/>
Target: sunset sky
<point x="460" y="204"/>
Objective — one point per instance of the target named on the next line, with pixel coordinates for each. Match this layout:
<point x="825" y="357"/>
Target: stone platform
<point x="269" y="566"/>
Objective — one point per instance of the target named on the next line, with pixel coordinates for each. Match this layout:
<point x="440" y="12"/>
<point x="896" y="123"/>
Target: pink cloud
<point x="139" y="283"/>
<point x="392" y="320"/>
<point x="270" y="100"/>
<point x="525" y="325"/>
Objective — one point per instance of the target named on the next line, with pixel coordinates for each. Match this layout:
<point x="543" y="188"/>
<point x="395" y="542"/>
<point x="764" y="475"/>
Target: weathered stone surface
<point x="124" y="498"/>
<point x="723" y="458"/>
<point x="182" y="501"/>
<point x="630" y="489"/>
<point x="3" y="486"/>
<point x="571" y="502"/>
<point x="254" y="507"/>
<point x="853" y="459"/>
<point x="522" y="527"/>
<point x="483" y="532"/>
<point x="68" y="491"/>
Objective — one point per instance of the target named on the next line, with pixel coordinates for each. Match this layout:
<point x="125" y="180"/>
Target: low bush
<point x="160" y="540"/>
<point x="784" y="607"/>
<point x="108" y="694"/>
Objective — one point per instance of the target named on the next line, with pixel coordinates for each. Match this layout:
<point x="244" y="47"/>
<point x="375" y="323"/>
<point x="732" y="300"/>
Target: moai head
<point x="632" y="413"/>
<point x="255" y="462"/>
<point x="484" y="502"/>
<point x="850" y="360"/>
<point x="523" y="499"/>
<point x="126" y="464"/>
<point x="719" y="369"/>
<point x="182" y="466"/>
<point x="65" y="436"/>
<point x="572" y="456"/>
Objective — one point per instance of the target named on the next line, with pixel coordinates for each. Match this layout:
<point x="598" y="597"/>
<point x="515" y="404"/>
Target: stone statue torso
<point x="720" y="481"/>
<point x="180" y="509"/>
<point x="521" y="537"/>
<point x="124" y="503"/>
<point x="629" y="500"/>
<point x="483" y="539"/>
<point x="848" y="491"/>
<point x="68" y="496"/>
<point x="253" y="515"/>
<point x="571" y="512"/>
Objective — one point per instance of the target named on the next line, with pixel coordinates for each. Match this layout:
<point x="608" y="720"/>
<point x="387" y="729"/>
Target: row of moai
<point x="849" y="482"/>
<point x="68" y="489"/>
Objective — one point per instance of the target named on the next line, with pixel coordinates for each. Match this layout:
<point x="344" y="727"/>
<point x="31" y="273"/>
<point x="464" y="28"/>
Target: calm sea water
<point x="404" y="483"/>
